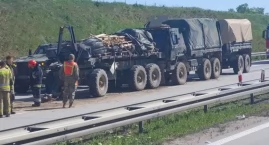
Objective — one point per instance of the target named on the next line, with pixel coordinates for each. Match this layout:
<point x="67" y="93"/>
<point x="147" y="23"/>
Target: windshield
<point x="161" y="38"/>
<point x="41" y="49"/>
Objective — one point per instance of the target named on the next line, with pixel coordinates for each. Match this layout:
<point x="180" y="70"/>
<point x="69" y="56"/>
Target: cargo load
<point x="132" y="40"/>
<point x="235" y="30"/>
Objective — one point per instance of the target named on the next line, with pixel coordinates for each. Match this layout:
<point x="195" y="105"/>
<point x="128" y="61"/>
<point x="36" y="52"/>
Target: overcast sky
<point x="223" y="5"/>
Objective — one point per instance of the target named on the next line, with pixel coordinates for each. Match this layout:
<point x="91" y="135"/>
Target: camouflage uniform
<point x="70" y="83"/>
<point x="5" y="83"/>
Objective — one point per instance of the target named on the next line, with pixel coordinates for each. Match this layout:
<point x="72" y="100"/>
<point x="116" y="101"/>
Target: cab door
<point x="178" y="46"/>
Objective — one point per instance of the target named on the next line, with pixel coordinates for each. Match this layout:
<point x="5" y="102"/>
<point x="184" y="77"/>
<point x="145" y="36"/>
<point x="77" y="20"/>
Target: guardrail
<point x="85" y="124"/>
<point x="255" y="54"/>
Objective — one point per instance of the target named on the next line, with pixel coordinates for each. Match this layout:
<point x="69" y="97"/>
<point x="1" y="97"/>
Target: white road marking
<point x="241" y="134"/>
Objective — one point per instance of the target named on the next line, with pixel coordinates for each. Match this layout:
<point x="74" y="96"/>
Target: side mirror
<point x="264" y="34"/>
<point x="30" y="52"/>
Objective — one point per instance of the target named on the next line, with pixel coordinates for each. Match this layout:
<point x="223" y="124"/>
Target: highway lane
<point x="115" y="100"/>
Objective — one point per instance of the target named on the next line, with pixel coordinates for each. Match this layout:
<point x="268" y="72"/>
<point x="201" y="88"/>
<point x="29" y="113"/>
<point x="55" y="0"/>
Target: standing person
<point x="9" y="63"/>
<point x="5" y="83"/>
<point x="36" y="75"/>
<point x="69" y="74"/>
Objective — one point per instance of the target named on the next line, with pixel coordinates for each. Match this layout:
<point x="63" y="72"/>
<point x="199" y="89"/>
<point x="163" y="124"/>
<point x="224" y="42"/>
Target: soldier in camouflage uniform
<point x="69" y="74"/>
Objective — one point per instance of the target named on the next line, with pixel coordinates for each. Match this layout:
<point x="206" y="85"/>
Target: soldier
<point x="69" y="74"/>
<point x="36" y="75"/>
<point x="11" y="66"/>
<point x="5" y="83"/>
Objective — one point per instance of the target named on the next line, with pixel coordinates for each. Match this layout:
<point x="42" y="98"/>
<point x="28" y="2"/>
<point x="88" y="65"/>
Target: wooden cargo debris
<point x="113" y="40"/>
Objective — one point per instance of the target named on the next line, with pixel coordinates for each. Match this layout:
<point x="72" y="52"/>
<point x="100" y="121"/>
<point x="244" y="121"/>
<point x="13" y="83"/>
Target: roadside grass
<point x="25" y="24"/>
<point x="172" y="126"/>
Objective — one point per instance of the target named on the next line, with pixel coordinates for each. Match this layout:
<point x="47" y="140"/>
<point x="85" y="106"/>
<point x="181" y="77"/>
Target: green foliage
<point x="243" y="8"/>
<point x="27" y="23"/>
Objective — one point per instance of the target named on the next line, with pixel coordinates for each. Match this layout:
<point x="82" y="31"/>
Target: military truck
<point x="236" y="35"/>
<point x="22" y="82"/>
<point x="149" y="56"/>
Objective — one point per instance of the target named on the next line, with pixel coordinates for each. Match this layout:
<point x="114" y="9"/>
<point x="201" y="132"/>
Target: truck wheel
<point x="205" y="70"/>
<point x="138" y="78"/>
<point x="216" y="68"/>
<point x="238" y="64"/>
<point x="180" y="74"/>
<point x="98" y="83"/>
<point x="247" y="62"/>
<point x="153" y="75"/>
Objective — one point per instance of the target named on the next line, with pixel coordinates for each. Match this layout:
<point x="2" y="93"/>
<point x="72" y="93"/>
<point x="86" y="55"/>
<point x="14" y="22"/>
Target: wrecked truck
<point x="22" y="79"/>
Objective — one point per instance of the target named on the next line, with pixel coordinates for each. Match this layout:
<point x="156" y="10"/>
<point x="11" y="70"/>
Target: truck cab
<point x="169" y="41"/>
<point x="22" y="81"/>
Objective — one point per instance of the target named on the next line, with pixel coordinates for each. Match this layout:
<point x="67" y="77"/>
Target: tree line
<point x="244" y="8"/>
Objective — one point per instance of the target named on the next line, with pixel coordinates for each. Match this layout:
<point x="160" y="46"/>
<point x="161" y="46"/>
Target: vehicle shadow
<point x="43" y="109"/>
<point x="84" y="92"/>
<point x="261" y="62"/>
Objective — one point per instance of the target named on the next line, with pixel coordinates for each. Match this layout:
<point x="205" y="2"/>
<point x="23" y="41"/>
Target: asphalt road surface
<point x="122" y="99"/>
<point x="257" y="135"/>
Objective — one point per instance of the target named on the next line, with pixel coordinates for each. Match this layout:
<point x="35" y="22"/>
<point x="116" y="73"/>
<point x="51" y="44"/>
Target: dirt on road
<point x="82" y="98"/>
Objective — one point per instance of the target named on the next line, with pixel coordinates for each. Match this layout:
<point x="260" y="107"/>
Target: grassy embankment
<point x="172" y="126"/>
<point x="27" y="23"/>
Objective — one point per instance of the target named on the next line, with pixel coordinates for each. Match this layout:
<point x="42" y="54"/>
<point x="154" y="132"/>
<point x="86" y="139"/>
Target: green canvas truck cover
<point x="235" y="30"/>
<point x="198" y="33"/>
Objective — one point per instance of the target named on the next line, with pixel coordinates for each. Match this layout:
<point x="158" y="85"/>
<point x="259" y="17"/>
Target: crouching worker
<point x="69" y="74"/>
<point x="36" y="75"/>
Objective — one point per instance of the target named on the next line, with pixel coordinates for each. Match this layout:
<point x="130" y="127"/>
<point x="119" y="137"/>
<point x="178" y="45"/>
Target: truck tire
<point x="98" y="83"/>
<point x="153" y="76"/>
<point x="247" y="63"/>
<point x="205" y="71"/>
<point x="138" y="78"/>
<point x="216" y="68"/>
<point x="179" y="74"/>
<point x="238" y="64"/>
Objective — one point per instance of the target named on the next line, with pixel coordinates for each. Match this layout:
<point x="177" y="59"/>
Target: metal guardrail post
<point x="205" y="108"/>
<point x="141" y="128"/>
<point x="252" y="101"/>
